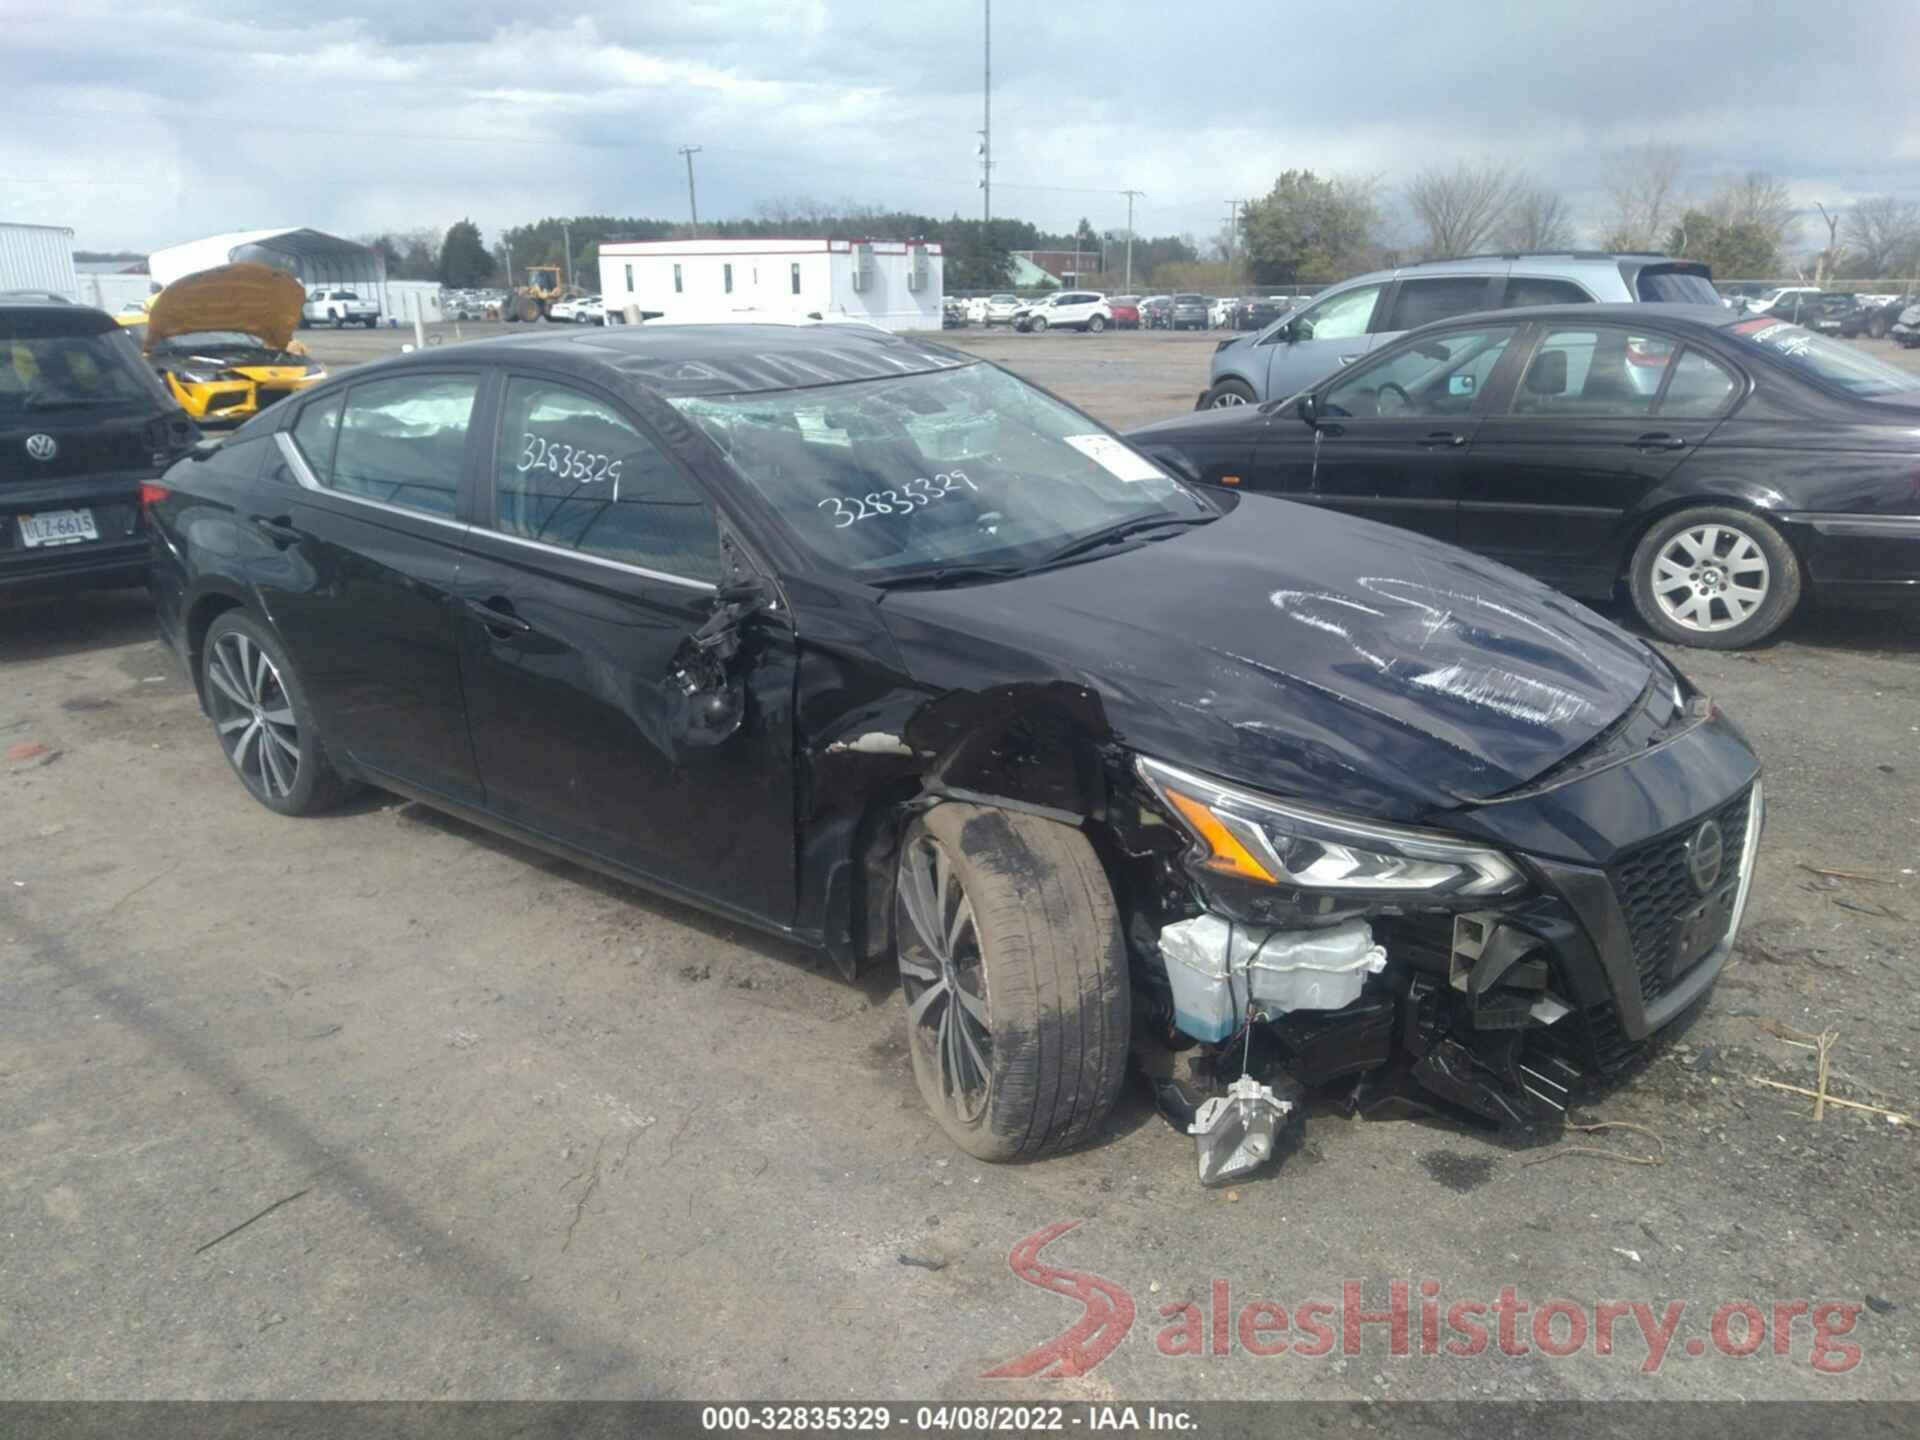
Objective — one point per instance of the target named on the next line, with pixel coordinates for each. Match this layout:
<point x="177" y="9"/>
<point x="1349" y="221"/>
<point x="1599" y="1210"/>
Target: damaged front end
<point x="1290" y="948"/>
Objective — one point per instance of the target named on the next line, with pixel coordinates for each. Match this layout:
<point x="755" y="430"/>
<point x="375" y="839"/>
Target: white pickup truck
<point x="339" y="307"/>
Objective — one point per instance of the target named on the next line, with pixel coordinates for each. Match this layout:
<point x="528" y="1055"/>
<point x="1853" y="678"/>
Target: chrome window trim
<point x="307" y="480"/>
<point x="685" y="581"/>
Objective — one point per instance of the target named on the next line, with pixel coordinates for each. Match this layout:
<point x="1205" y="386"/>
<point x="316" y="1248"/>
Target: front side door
<point x="1392" y="436"/>
<point x="1332" y="332"/>
<point x="1600" y="415"/>
<point x="366" y="538"/>
<point x="593" y="560"/>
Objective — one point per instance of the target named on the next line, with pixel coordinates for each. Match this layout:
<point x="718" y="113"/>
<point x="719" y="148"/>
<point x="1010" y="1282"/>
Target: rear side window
<point x="573" y="472"/>
<point x="1664" y="284"/>
<point x="1700" y="387"/>
<point x="403" y="442"/>
<point x="1532" y="290"/>
<point x="1440" y="298"/>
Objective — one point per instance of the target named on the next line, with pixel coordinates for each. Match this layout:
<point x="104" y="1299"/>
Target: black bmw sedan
<point x="877" y="647"/>
<point x="1722" y="466"/>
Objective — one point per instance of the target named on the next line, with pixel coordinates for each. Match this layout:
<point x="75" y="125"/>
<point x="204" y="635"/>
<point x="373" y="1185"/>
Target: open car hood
<point x="253" y="298"/>
<point x="1301" y="652"/>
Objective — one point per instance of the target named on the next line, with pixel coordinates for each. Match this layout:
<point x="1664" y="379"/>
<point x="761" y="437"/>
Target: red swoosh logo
<point x="1091" y="1338"/>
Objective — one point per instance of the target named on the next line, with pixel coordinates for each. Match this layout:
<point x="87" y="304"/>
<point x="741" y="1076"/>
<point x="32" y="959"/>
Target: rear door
<point x="1600" y="415"/>
<point x="1393" y="434"/>
<point x="593" y="560"/>
<point x="367" y="530"/>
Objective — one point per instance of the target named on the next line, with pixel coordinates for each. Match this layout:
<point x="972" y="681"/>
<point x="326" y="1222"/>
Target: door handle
<point x="1444" y="437"/>
<point x="1660" y="440"/>
<point x="496" y="613"/>
<point x="277" y="528"/>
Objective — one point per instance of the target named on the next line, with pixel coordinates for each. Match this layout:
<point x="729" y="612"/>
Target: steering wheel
<point x="1390" y="399"/>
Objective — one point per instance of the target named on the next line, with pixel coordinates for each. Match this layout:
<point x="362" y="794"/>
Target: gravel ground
<point x="528" y="1133"/>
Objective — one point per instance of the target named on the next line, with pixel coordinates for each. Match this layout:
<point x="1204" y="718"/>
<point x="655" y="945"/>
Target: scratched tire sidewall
<point x="1054" y="962"/>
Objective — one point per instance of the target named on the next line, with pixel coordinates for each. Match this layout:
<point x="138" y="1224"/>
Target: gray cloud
<point x="140" y="127"/>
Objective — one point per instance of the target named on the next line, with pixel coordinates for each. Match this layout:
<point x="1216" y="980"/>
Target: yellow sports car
<point x="223" y="342"/>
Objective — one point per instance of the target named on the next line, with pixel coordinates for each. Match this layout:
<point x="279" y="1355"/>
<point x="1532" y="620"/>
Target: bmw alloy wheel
<point x="253" y="716"/>
<point x="1710" y="577"/>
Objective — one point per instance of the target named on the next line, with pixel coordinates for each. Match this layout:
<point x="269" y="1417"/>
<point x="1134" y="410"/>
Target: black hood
<point x="1303" y="653"/>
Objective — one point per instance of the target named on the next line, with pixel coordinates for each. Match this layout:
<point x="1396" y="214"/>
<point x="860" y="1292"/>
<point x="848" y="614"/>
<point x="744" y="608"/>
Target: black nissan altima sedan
<point x="1722" y="466"/>
<point x="877" y="647"/>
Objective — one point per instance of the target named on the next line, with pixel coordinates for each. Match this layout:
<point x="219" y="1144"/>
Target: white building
<point x="895" y="284"/>
<point x="38" y="257"/>
<point x="309" y="256"/>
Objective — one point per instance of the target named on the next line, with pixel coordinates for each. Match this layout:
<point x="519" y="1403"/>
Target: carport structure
<point x="310" y="256"/>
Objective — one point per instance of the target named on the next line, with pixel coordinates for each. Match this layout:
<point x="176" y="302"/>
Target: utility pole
<point x="693" y="207"/>
<point x="1131" y="196"/>
<point x="986" y="140"/>
<point x="566" y="237"/>
<point x="509" y="249"/>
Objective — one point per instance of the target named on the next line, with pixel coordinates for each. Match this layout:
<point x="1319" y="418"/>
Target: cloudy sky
<point x="144" y="124"/>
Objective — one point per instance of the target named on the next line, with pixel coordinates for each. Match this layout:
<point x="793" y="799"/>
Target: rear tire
<point x="1714" y="577"/>
<point x="339" y="322"/>
<point x="262" y="720"/>
<point x="1878" y="325"/>
<point x="1013" y="915"/>
<point x="1097" y="324"/>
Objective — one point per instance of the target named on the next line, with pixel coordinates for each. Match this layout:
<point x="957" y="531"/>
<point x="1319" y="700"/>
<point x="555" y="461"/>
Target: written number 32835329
<point x="559" y="458"/>
<point x="914" y="495"/>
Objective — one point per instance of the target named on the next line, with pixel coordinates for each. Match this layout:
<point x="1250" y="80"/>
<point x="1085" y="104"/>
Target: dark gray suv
<point x="1344" y="321"/>
<point x="1190" y="312"/>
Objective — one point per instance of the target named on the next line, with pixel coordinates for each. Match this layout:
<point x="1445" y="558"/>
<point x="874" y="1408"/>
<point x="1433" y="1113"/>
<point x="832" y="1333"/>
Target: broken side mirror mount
<point x="710" y="699"/>
<point x="1307" y="407"/>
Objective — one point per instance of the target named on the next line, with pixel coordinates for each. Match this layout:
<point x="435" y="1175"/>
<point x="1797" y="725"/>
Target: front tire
<point x="1227" y="393"/>
<point x="1714" y="577"/>
<point x="262" y="720"/>
<point x="1015" y="979"/>
<point x="1039" y="326"/>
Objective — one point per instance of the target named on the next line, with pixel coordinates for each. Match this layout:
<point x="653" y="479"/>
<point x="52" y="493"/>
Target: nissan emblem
<point x="1705" y="853"/>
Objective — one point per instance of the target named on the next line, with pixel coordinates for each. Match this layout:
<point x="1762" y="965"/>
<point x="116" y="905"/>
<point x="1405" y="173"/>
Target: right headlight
<point x="1277" y="842"/>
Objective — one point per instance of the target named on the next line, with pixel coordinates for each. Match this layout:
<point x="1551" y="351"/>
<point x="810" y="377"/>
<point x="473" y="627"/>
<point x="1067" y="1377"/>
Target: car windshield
<point x="1832" y="362"/>
<point x="951" y="469"/>
<point x="213" y="340"/>
<point x="53" y="372"/>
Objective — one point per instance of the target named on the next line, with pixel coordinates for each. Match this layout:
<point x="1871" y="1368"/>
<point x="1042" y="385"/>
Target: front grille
<point x="1655" y="891"/>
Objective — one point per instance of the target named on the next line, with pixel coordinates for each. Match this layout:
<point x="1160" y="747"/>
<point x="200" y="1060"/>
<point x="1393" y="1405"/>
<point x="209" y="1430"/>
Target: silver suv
<point x="1344" y="321"/>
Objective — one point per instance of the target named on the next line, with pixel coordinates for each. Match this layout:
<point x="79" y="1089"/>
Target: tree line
<point x="978" y="257"/>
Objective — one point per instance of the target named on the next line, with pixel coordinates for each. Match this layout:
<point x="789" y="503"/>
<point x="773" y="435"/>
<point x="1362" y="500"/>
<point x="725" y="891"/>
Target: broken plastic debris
<point x="874" y="742"/>
<point x="1233" y="1134"/>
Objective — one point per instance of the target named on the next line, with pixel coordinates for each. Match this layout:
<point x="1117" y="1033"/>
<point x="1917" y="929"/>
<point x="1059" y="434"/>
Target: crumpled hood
<point x="1301" y="652"/>
<point x="254" y="298"/>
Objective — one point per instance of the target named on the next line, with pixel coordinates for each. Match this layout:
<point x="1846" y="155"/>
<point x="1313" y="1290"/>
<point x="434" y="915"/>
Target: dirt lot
<point x="532" y="1134"/>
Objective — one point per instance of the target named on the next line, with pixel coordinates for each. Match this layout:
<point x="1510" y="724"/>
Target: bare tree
<point x="1823" y="263"/>
<point x="1756" y="199"/>
<point x="1884" y="235"/>
<point x="1536" y="220"/>
<point x="1460" y="209"/>
<point x="1643" y="191"/>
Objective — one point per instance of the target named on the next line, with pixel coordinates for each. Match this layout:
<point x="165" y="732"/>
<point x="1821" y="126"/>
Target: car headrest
<point x="1548" y="373"/>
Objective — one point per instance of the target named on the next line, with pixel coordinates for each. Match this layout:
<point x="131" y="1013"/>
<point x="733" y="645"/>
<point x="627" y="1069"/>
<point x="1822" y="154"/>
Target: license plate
<point x="1700" y="930"/>
<point x="57" y="527"/>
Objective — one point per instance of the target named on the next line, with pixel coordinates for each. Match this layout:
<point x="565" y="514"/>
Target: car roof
<point x="686" y="360"/>
<point x="20" y="315"/>
<point x="1716" y="317"/>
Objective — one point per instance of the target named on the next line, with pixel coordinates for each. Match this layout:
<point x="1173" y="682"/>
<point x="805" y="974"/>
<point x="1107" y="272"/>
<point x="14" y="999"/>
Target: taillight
<point x="152" y="494"/>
